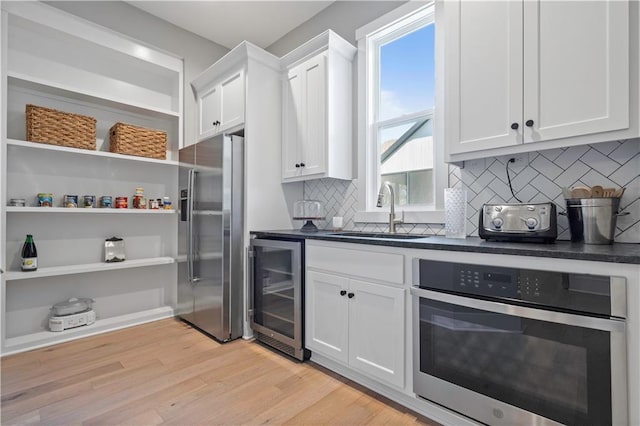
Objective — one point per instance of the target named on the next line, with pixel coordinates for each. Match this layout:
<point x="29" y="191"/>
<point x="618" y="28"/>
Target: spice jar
<point x="139" y="202"/>
<point x="122" y="203"/>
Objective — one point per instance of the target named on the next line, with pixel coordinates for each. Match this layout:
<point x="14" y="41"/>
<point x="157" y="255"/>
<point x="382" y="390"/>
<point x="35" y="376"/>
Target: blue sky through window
<point x="407" y="74"/>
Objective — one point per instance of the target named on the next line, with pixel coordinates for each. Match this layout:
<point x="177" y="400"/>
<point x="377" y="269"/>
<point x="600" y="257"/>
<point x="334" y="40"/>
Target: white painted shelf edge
<point x="36" y="145"/>
<point x="87" y="267"/>
<point x="80" y="210"/>
<point x="45" y="338"/>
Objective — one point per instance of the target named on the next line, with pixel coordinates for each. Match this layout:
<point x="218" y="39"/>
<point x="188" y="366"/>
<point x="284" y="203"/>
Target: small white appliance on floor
<point x="71" y="313"/>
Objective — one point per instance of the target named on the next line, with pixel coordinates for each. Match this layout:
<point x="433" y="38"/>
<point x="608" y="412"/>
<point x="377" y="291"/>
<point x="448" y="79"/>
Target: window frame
<point x="396" y="23"/>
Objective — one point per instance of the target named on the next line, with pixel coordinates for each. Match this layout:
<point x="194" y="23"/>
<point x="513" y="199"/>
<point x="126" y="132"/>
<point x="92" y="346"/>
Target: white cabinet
<point x="56" y="60"/>
<point x="221" y="104"/>
<point x="327" y="314"/>
<point x="520" y="73"/>
<point x="355" y="320"/>
<point x="317" y="104"/>
<point x="304" y="103"/>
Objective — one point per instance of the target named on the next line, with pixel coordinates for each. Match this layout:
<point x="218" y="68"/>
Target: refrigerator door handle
<point x="190" y="215"/>
<point x="252" y="282"/>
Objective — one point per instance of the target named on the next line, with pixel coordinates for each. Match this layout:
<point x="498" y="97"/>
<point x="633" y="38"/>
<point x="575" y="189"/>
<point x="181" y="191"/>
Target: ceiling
<point x="230" y="22"/>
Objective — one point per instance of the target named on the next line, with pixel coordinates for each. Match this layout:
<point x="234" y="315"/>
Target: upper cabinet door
<point x="232" y="101"/>
<point x="483" y="75"/>
<point x="208" y="111"/>
<point x="292" y="123"/>
<point x="314" y="140"/>
<point x="221" y="105"/>
<point x="317" y="138"/>
<point x="576" y="74"/>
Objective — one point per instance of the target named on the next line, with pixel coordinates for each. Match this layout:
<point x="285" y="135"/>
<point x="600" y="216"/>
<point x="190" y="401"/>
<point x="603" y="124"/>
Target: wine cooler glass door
<point x="276" y="292"/>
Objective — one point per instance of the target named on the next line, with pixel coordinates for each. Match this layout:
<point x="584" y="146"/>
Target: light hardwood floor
<point x="167" y="373"/>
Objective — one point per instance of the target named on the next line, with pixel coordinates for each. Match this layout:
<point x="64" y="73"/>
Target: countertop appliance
<point x="511" y="346"/>
<point x="277" y="294"/>
<point x="519" y="222"/>
<point x="210" y="236"/>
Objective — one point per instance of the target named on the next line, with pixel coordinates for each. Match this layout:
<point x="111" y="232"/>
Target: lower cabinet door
<point x="326" y="315"/>
<point x="376" y="331"/>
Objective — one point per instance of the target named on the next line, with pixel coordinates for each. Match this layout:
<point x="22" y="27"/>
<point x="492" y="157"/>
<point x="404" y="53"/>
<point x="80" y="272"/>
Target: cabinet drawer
<point x="362" y="263"/>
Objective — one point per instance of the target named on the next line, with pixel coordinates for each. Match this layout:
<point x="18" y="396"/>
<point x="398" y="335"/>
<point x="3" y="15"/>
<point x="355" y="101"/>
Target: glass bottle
<point x="29" y="255"/>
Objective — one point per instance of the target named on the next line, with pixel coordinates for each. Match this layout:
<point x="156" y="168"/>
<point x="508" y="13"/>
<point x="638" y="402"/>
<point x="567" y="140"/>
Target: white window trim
<point x="367" y="181"/>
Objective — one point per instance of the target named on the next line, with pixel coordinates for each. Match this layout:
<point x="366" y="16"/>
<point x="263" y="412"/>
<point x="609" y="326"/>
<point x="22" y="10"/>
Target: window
<point x="396" y="102"/>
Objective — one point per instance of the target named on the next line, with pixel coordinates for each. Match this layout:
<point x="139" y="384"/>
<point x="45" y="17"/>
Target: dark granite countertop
<point x="616" y="253"/>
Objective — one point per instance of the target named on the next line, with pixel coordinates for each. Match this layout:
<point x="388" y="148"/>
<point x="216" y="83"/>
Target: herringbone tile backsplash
<point x="610" y="164"/>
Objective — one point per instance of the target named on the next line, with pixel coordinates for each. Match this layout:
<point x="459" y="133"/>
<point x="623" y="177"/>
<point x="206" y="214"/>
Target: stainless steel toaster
<point x="519" y="222"/>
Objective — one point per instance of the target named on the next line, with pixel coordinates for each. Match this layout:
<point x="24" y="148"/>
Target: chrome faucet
<point x="392" y="213"/>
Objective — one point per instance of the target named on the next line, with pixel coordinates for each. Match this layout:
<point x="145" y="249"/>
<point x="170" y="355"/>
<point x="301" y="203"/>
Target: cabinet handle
<point x="343" y="292"/>
<point x="514" y="126"/>
<point x="529" y="123"/>
<point x="301" y="164"/>
<point x="350" y="295"/>
<point x="297" y="165"/>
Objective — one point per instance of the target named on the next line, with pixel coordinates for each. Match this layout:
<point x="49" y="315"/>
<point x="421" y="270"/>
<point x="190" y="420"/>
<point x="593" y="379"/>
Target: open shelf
<point x="278" y="271"/>
<point x="44" y="338"/>
<point x="56" y="89"/>
<point x="278" y="287"/>
<point x="81" y="210"/>
<point x="87" y="267"/>
<point x="42" y="146"/>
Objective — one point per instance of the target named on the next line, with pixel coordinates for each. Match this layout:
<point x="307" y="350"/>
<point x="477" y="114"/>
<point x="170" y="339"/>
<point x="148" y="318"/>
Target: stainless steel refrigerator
<point x="210" y="269"/>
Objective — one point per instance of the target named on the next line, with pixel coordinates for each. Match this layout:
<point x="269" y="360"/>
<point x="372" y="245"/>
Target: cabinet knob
<point x="529" y="123"/>
<point x="301" y="164"/>
<point x="297" y="165"/>
<point x="514" y="126"/>
<point x="350" y="295"/>
<point x="343" y="292"/>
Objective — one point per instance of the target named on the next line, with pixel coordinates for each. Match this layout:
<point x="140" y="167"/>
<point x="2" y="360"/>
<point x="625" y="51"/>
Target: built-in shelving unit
<point x="57" y="60"/>
<point x="81" y="152"/>
<point x="50" y="210"/>
<point x="44" y="338"/>
<point x="84" y="268"/>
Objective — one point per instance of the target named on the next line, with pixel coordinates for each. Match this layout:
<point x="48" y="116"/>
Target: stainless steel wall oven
<point x="277" y="294"/>
<point x="509" y="346"/>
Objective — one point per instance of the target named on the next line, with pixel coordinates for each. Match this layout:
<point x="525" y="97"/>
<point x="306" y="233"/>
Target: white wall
<point x="198" y="53"/>
<point x="343" y="17"/>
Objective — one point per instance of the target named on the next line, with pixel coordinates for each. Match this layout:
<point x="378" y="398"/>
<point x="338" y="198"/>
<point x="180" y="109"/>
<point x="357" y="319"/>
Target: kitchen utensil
<point x="580" y="192"/>
<point x="596" y="191"/>
<point x="608" y="192"/>
<point x="593" y="221"/>
<point x="619" y="193"/>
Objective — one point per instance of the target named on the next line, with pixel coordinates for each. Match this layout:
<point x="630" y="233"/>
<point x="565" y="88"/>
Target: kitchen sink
<point x="379" y="235"/>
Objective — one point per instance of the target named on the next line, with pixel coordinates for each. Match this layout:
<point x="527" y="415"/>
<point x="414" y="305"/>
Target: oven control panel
<point x="496" y="284"/>
<point x="566" y="291"/>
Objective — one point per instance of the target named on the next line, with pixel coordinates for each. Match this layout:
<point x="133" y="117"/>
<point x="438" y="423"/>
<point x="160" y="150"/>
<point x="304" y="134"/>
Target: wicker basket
<point x="133" y="140"/>
<point x="53" y="127"/>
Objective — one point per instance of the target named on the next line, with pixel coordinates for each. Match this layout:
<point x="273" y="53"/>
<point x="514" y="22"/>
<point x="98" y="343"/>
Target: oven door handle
<point x="612" y="325"/>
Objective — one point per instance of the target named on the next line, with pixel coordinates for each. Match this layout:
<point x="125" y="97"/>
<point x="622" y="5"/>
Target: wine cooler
<point x="277" y="294"/>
